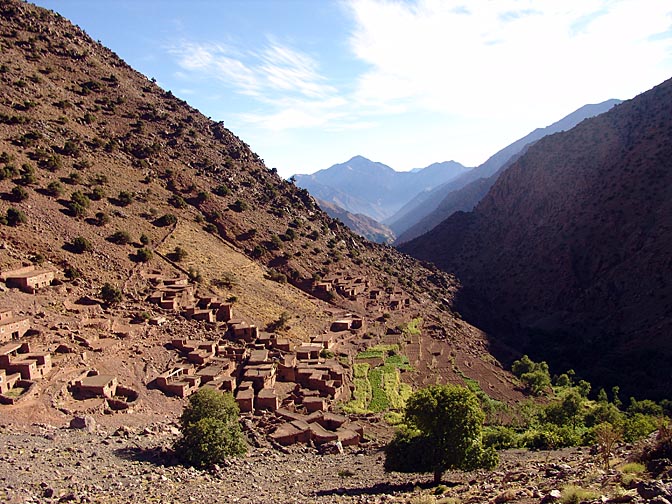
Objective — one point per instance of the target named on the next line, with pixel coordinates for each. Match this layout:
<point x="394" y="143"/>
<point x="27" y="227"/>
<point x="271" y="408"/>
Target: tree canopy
<point x="210" y="429"/>
<point x="443" y="425"/>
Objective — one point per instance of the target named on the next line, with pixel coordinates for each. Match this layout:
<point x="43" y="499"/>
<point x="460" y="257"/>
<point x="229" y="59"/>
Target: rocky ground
<point x="43" y="463"/>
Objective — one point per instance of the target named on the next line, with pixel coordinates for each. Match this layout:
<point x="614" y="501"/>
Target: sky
<point x="311" y="83"/>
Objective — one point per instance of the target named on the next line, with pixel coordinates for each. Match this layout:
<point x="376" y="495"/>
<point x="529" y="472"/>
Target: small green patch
<point x="572" y="494"/>
<point x="633" y="468"/>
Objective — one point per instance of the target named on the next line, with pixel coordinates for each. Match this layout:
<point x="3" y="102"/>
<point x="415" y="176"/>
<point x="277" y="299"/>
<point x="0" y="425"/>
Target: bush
<point x="239" y="206"/>
<point x="221" y="190"/>
<point x="15" y="217"/>
<point x="179" y="254"/>
<point x="144" y="255"/>
<point x="54" y="188"/>
<point x="210" y="429"/>
<point x="19" y="194"/>
<point x="81" y="245"/>
<point x="500" y="437"/>
<point x="125" y="198"/>
<point x="166" y="220"/>
<point x="110" y="294"/>
<point x="102" y="218"/>
<point x="120" y="238"/>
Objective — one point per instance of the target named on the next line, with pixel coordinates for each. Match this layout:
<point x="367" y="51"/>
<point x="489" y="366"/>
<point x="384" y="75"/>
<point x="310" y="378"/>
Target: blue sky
<point x="311" y="83"/>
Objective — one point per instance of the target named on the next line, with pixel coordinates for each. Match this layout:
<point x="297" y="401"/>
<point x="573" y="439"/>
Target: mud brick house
<point x="96" y="385"/>
<point x="17" y="358"/>
<point x="241" y="330"/>
<point x="245" y="399"/>
<point x="180" y="381"/>
<point x="11" y="327"/>
<point x="29" y="279"/>
<point x="267" y="399"/>
<point x="309" y="351"/>
<point x="8" y="381"/>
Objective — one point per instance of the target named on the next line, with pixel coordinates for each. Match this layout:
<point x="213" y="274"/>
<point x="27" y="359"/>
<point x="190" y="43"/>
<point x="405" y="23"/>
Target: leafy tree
<point x="534" y="375"/>
<point x="443" y="431"/>
<point x="210" y="429"/>
<point x="110" y="294"/>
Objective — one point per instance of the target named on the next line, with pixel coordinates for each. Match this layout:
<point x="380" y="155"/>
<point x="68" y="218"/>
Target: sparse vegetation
<point x="110" y="294"/>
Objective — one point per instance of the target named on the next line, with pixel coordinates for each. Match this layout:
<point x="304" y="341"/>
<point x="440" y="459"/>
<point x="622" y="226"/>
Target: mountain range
<point x="569" y="251"/>
<point x="361" y="186"/>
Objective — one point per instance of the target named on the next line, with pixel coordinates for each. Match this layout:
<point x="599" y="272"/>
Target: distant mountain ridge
<point x="569" y="252"/>
<point x="429" y="208"/>
<point x="374" y="189"/>
<point x="361" y="224"/>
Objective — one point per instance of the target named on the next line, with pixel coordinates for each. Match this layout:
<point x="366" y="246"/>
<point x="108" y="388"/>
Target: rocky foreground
<point x="49" y="464"/>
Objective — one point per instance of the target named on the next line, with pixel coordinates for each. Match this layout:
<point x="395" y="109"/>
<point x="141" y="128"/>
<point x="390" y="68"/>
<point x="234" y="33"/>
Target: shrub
<point x="221" y="190"/>
<point x="19" y="194"/>
<point x="54" y="188"/>
<point x="500" y="437"/>
<point x="102" y="218"/>
<point x="166" y="220"/>
<point x="97" y="194"/>
<point x="239" y="206"/>
<point x="179" y="254"/>
<point x="110" y="294"/>
<point x="120" y="238"/>
<point x="81" y="245"/>
<point x="177" y="201"/>
<point x="210" y="429"/>
<point x="144" y="255"/>
<point x="125" y="198"/>
<point x="144" y="239"/>
<point x="15" y="217"/>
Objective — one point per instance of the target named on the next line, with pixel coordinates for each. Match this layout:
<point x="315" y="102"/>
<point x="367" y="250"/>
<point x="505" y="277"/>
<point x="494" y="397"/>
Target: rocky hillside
<point x="569" y="248"/>
<point x="107" y="178"/>
<point x="374" y="189"/>
<point x="428" y="209"/>
<point x="359" y="223"/>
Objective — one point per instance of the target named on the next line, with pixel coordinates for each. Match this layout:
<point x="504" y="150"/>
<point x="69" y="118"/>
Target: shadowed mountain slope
<point x="428" y="209"/>
<point x="569" y="251"/>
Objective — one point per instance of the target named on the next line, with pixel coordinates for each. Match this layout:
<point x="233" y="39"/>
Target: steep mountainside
<point x="107" y="178"/>
<point x="572" y="247"/>
<point x="359" y="223"/>
<point x="374" y="189"/>
<point x="430" y="208"/>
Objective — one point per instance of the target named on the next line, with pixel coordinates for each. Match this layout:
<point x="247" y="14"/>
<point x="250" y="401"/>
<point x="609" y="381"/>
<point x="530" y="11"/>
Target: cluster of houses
<point x="359" y="289"/>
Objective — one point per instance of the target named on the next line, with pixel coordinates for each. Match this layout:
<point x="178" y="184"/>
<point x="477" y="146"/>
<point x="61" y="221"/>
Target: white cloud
<point x="506" y="56"/>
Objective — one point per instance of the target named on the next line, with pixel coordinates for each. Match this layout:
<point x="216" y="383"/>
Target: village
<point x="300" y="384"/>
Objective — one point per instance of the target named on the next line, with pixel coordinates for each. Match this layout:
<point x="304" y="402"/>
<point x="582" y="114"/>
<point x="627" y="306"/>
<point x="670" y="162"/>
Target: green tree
<point x="443" y="431"/>
<point x="210" y="429"/>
